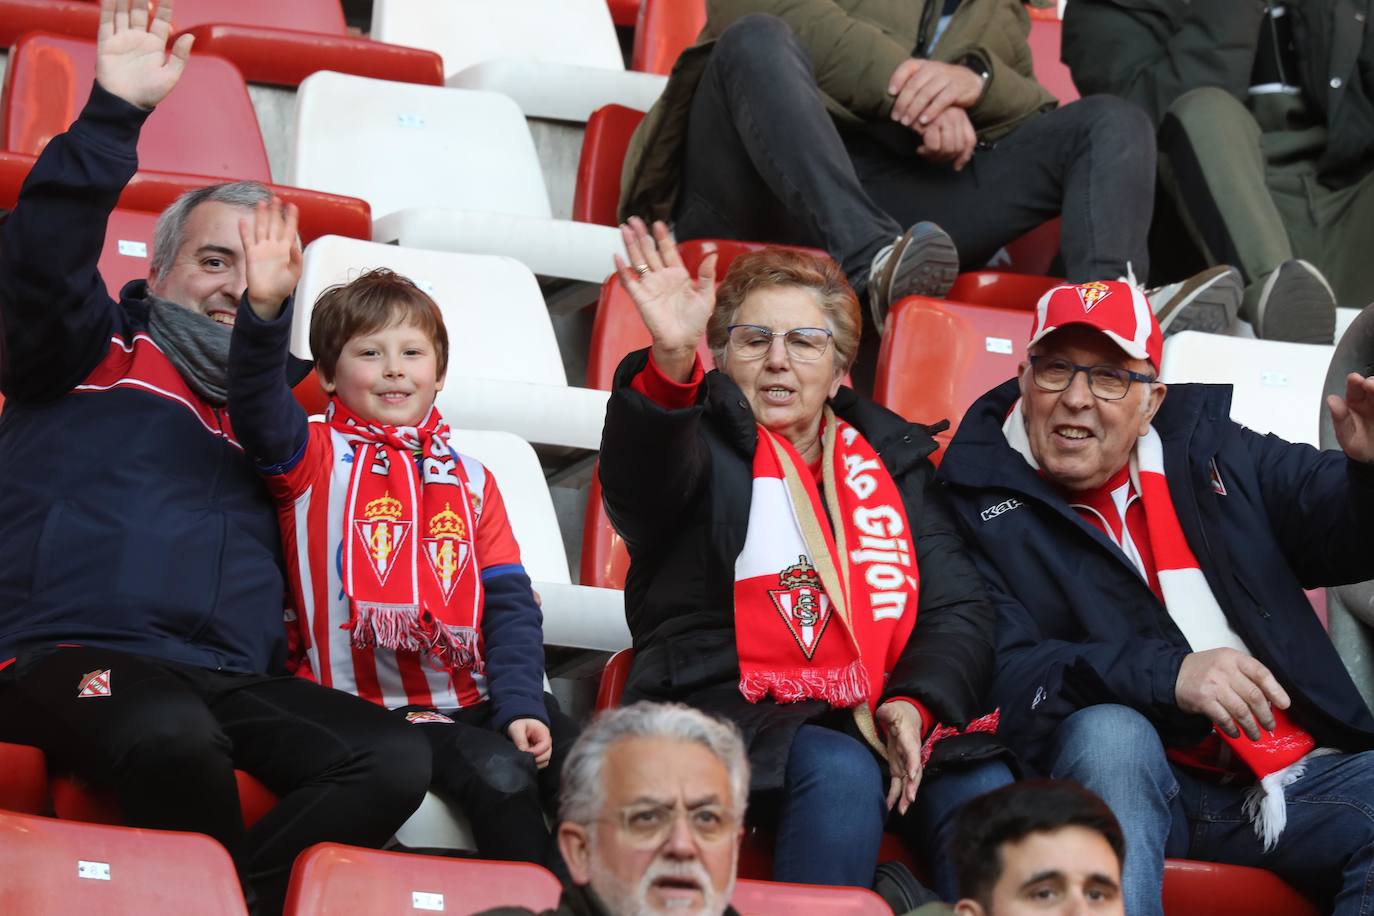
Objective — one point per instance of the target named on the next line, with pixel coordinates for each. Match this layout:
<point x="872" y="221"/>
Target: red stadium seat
<point x="1046" y="35"/>
<point x="207" y="127"/>
<point x="623" y="12"/>
<point x="310" y="395"/>
<point x="1004" y="290"/>
<point x="23" y="777"/>
<point x="604" y="559"/>
<point x="345" y="880"/>
<point x="52" y="868"/>
<point x="128" y="248"/>
<point x="77" y="18"/>
<point x="772" y="898"/>
<point x="613" y="678"/>
<point x="596" y="196"/>
<point x="664" y="28"/>
<point x="1208" y="889"/>
<point x="75" y="802"/>
<point x="617" y="329"/>
<point x="938" y="356"/>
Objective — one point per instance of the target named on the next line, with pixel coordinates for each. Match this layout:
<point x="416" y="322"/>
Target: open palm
<point x="131" y="53"/>
<point x="272" y="255"/>
<point x="674" y="306"/>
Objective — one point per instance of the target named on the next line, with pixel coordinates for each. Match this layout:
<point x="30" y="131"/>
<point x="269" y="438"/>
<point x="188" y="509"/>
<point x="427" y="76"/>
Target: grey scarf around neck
<point x="198" y="346"/>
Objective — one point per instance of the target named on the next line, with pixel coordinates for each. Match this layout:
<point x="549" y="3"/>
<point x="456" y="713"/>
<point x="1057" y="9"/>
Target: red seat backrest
<point x="604" y="558"/>
<point x="23" y="776"/>
<point x="52" y="866"/>
<point x="1046" y="36"/>
<point x="596" y="197"/>
<point x="664" y="28"/>
<point x="324" y="16"/>
<point x="343" y="880"/>
<point x="206" y="127"/>
<point x="939" y="356"/>
<point x="773" y="898"/>
<point x="65" y="17"/>
<point x="617" y="329"/>
<point x="128" y="249"/>
<point x="1209" y="889"/>
<point x="613" y="678"/>
<point x="73" y="801"/>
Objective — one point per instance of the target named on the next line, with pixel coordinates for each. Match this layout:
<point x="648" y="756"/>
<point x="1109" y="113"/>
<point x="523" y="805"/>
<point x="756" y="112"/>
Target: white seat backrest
<point x="532" y="516"/>
<point x="399" y="145"/>
<point x="1277" y="386"/>
<point x="466" y="32"/>
<point x="498" y="325"/>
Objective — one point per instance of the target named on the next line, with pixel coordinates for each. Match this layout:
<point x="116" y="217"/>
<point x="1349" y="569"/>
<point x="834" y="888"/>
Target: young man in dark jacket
<point x="1147" y="558"/>
<point x="1265" y="112"/>
<point x="141" y="599"/>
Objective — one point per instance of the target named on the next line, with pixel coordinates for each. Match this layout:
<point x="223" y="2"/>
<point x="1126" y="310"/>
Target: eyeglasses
<point x="1110" y="383"/>
<point x="751" y="341"/>
<point x="649" y="825"/>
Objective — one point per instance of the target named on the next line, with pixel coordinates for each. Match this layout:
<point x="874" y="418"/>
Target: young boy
<point x="406" y="576"/>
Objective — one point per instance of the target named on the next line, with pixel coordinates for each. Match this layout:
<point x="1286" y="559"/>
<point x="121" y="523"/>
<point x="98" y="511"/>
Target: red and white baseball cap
<point x="1113" y="307"/>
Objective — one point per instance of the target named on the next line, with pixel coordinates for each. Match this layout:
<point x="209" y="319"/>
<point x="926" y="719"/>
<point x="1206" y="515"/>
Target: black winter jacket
<point x="677" y="486"/>
<point x="1078" y="626"/>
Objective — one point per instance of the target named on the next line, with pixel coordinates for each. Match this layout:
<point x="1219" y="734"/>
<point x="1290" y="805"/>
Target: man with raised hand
<point x="141" y="597"/>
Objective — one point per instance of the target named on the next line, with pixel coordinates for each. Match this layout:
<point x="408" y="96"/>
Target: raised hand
<point x="1353" y="417"/>
<point x="131" y="59"/>
<point x="673" y="305"/>
<point x="271" y="255"/>
<point x="902" y="722"/>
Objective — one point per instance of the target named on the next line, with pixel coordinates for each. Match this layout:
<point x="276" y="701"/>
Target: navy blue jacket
<point x="275" y="432"/>
<point x="1076" y="623"/>
<point x="130" y="518"/>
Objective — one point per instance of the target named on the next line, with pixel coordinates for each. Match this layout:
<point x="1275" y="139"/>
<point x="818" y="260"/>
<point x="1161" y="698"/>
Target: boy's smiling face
<point x="389" y="376"/>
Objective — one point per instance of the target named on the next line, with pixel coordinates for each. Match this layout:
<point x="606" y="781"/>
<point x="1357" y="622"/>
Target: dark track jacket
<point x="678" y="486"/>
<point x="1078" y="626"/>
<point x="130" y="517"/>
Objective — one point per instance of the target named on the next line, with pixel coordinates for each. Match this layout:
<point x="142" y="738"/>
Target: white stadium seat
<point x="504" y="368"/>
<point x="1277" y="386"/>
<point x="559" y="59"/>
<point x="446" y="169"/>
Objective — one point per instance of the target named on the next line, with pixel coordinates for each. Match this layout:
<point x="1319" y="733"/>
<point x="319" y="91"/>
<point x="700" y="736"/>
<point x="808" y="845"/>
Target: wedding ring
<point x="641" y="269"/>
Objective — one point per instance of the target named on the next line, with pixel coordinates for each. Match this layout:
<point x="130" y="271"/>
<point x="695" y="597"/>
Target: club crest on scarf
<point x="803" y="604"/>
<point x="1090" y="294"/>
<point x="383" y="530"/>
<point x="447" y="548"/>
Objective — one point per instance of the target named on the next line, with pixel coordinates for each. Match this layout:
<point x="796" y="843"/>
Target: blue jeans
<point x="831" y="820"/>
<point x="1327" y="848"/>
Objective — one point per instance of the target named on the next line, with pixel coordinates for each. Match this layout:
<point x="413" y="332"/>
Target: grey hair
<point x="583" y="794"/>
<point x="170" y="230"/>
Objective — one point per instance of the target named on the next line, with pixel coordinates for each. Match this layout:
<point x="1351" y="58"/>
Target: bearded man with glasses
<point x="1147" y="558"/>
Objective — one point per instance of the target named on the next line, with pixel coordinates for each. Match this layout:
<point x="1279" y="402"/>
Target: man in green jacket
<point x="840" y="123"/>
<point x="1265" y="111"/>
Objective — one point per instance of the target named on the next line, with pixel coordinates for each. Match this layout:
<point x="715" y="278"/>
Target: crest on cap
<point x="1090" y="294"/>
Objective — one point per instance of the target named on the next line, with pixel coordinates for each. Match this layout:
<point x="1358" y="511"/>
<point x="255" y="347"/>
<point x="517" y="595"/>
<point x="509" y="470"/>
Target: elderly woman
<point x="792" y="565"/>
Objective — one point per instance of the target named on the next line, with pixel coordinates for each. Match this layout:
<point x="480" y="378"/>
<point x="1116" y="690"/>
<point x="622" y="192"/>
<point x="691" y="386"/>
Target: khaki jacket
<point x="854" y="47"/>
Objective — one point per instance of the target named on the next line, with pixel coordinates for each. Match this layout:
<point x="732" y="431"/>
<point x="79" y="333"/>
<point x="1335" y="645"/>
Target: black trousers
<point x="766" y="162"/>
<point x="496" y="784"/>
<point x="168" y="738"/>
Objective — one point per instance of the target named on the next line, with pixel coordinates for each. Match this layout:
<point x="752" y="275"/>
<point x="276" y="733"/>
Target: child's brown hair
<point x="375" y="299"/>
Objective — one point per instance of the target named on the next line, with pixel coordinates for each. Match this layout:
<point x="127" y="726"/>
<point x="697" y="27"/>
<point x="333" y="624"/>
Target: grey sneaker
<point x="922" y="262"/>
<point x="1297" y="305"/>
<point x="1206" y="301"/>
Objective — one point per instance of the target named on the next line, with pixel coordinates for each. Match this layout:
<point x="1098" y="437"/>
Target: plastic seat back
<point x="774" y="898"/>
<point x="617" y="330"/>
<point x="1209" y="889"/>
<point x="498" y="325"/>
<point x="467" y="32"/>
<point x="939" y="356"/>
<point x="604" y="558"/>
<point x="399" y="145"/>
<point x="664" y="28"/>
<point x="128" y="248"/>
<point x="346" y="880"/>
<point x="323" y="16"/>
<point x="596" y="197"/>
<point x="1277" y="387"/>
<point x="23" y="776"/>
<point x="1046" y="37"/>
<point x="613" y="678"/>
<point x="77" y="18"/>
<point x="207" y="127"/>
<point x="74" y="801"/>
<point x="53" y="868"/>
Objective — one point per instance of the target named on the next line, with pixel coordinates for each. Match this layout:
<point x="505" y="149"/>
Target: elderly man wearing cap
<point x="1147" y="557"/>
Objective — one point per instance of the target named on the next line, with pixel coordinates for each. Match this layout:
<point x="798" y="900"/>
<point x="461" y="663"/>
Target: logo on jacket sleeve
<point x="447" y="548"/>
<point x="383" y="531"/>
<point x="94" y="684"/>
<point x="1006" y="505"/>
<point x="803" y="604"/>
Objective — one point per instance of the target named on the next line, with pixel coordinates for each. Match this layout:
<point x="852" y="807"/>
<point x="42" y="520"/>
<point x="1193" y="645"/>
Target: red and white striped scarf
<point x="823" y="611"/>
<point x="1278" y="758"/>
<point x="409" y="567"/>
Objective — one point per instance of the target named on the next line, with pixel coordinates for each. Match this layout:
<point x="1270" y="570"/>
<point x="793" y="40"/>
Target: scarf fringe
<point x="1265" y="803"/>
<point x="840" y="687"/>
<point x="404" y="628"/>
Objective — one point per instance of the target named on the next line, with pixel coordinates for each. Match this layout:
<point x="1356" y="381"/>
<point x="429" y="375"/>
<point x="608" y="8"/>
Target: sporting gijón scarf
<point x="822" y="611"/>
<point x="408" y="564"/>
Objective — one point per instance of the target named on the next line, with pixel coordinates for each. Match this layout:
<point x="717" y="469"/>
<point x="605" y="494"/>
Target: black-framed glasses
<point x="1110" y="383"/>
<point x="752" y="341"/>
<point x="649" y="824"/>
